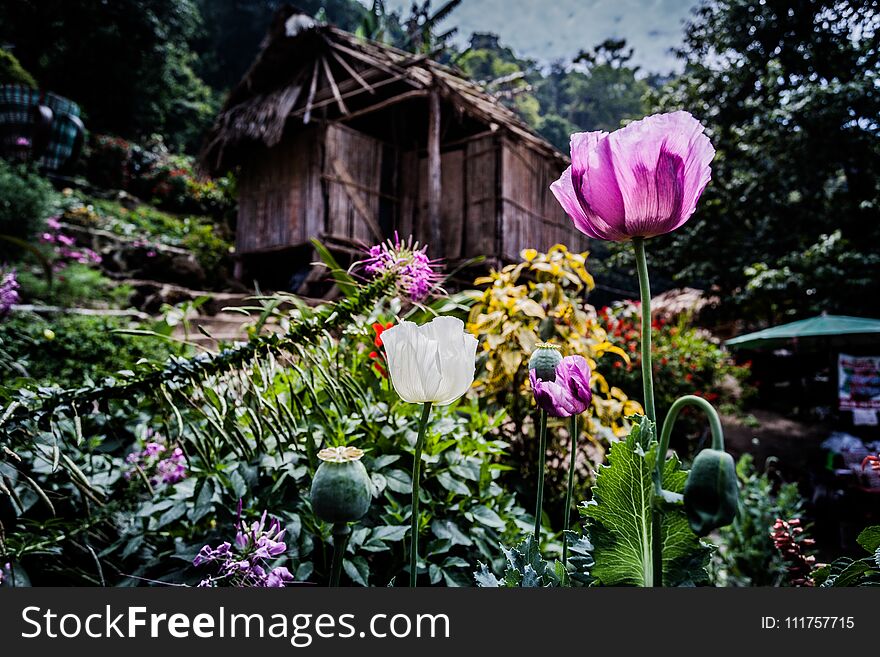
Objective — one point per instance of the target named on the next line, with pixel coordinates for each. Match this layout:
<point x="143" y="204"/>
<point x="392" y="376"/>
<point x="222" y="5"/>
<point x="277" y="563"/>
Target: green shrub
<point x="204" y="238"/>
<point x="75" y="285"/>
<point x="686" y="360"/>
<point x="12" y="72"/>
<point x="25" y="201"/>
<point x="746" y="555"/>
<point x="67" y="350"/>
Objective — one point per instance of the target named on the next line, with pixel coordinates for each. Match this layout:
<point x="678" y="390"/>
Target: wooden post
<point x="434" y="189"/>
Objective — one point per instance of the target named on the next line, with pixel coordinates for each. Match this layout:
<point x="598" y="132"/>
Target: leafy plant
<point x="746" y="555"/>
<point x="846" y="571"/>
<point x="69" y="350"/>
<point x="77" y="285"/>
<point x="620" y="514"/>
<point x="541" y="299"/>
<point x="526" y="568"/>
<point x="26" y="199"/>
<point x="685" y="359"/>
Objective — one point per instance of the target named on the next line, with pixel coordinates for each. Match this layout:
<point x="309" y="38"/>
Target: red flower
<point x="379" y="328"/>
<point x="688" y="377"/>
<point x="873" y="460"/>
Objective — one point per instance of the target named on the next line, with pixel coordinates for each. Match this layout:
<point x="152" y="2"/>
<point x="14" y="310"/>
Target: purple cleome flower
<point x="246" y="562"/>
<point x="160" y="466"/>
<point x="417" y="274"/>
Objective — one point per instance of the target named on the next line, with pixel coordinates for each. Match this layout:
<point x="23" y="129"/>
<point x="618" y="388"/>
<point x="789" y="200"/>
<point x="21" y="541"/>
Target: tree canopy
<point x="788" y="92"/>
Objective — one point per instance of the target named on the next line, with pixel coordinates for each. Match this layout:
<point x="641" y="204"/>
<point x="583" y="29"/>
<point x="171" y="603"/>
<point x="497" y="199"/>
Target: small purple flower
<point x="157" y="464"/>
<point x="279" y="577"/>
<point x="570" y="393"/>
<point x="8" y="292"/>
<point x="246" y="562"/>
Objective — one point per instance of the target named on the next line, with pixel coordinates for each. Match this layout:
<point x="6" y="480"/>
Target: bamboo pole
<point x="434" y="174"/>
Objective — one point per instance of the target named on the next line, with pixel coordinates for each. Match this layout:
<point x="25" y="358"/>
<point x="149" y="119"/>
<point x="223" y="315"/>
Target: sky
<point x="547" y="30"/>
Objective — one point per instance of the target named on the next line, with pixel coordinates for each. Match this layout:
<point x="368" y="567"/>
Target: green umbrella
<point x="848" y="329"/>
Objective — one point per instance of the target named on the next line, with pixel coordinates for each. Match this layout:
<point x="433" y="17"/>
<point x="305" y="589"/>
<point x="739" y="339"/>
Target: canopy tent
<point x="835" y="328"/>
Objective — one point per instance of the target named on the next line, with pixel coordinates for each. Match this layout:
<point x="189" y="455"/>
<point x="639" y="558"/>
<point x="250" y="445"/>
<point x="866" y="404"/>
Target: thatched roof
<point x="305" y="69"/>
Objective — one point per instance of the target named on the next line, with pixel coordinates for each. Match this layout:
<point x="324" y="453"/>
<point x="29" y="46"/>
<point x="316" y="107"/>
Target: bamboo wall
<point x="327" y="182"/>
<point x="531" y="216"/>
<point x="279" y="195"/>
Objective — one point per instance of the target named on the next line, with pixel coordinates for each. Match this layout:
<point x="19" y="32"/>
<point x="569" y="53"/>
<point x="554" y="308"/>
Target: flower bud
<point x="711" y="493"/>
<point x="544" y="360"/>
<point x="341" y="489"/>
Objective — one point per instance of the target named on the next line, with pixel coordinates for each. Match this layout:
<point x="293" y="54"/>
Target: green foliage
<point x="846" y="571"/>
<point x="12" y="72"/>
<point x="620" y="516"/>
<point x="686" y="361"/>
<point x="25" y="201"/>
<point x="68" y="350"/>
<point x="746" y="555"/>
<point x="206" y="239"/>
<point x="127" y="63"/>
<point x="526" y="568"/>
<point x="804" y="281"/>
<point x="154" y="174"/>
<point x="76" y="285"/>
<point x="252" y="433"/>
<point x="783" y="90"/>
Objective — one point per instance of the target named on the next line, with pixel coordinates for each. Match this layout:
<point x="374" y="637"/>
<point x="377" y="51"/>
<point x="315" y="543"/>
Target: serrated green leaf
<point x="485" y="578"/>
<point x="870" y="538"/>
<point x="620" y="519"/>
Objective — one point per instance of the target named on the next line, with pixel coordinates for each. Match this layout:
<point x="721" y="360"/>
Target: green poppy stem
<point x="703" y="405"/>
<point x="542" y="457"/>
<point x="650" y="412"/>
<point x="341" y="533"/>
<point x="645" y="292"/>
<point x="417" y="468"/>
<point x="571" y="466"/>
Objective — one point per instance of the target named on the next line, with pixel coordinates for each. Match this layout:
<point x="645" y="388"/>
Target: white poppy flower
<point x="433" y="363"/>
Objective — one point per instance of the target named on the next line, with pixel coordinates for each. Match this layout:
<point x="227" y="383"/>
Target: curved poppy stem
<point x="571" y="467"/>
<point x="542" y="457"/>
<point x="672" y="416"/>
<point x="417" y="468"/>
<point x="341" y="533"/>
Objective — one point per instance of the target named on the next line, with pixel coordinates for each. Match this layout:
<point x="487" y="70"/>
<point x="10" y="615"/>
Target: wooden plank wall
<point x="532" y="218"/>
<point x="352" y="178"/>
<point x="481" y="196"/>
<point x="279" y="201"/>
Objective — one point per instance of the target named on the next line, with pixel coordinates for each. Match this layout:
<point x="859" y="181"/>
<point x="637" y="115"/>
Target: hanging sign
<point x="858" y="382"/>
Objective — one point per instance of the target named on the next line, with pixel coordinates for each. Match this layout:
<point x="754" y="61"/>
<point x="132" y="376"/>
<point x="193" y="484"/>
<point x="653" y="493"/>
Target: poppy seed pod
<point x="544" y="360"/>
<point x="711" y="493"/>
<point x="341" y="489"/>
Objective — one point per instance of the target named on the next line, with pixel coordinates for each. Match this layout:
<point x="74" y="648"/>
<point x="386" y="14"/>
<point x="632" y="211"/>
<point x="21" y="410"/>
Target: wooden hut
<point x="347" y="140"/>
